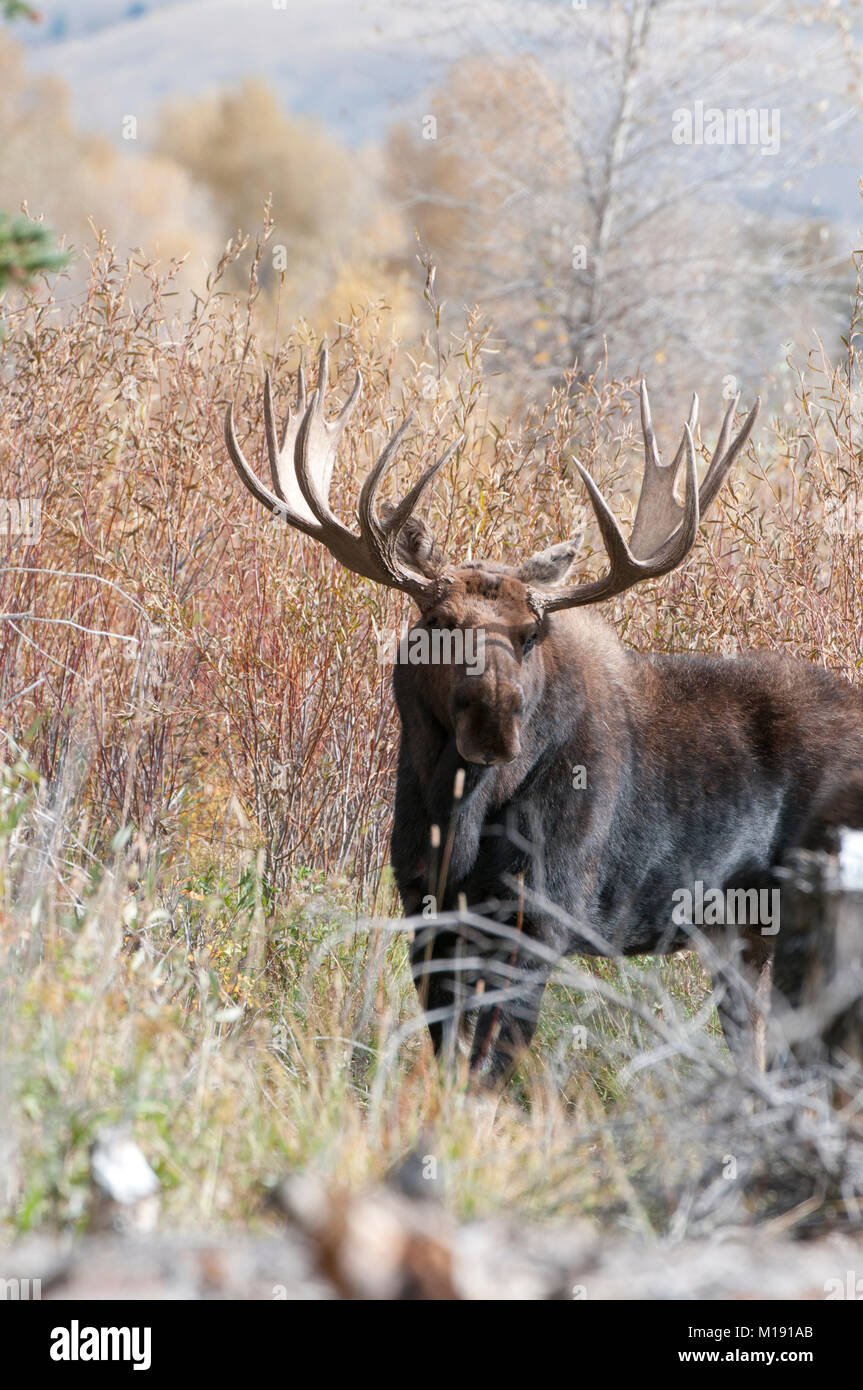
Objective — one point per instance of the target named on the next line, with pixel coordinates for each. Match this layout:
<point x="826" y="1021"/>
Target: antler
<point x="301" y="468"/>
<point x="664" y="531"/>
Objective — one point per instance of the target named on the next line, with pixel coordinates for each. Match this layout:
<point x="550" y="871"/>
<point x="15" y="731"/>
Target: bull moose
<point x="693" y="770"/>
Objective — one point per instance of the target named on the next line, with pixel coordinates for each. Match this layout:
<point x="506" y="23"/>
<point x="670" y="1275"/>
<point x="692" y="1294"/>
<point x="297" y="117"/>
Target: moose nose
<point x="487" y="722"/>
<point x="487" y="746"/>
<point x="491" y="759"/>
<point x="484" y="756"/>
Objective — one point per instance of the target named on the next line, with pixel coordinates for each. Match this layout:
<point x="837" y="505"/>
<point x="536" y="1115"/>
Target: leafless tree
<point x="556" y="179"/>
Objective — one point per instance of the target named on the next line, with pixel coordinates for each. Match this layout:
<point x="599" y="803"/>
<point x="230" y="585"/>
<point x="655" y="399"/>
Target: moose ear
<point x="417" y="546"/>
<point x="549" y="567"/>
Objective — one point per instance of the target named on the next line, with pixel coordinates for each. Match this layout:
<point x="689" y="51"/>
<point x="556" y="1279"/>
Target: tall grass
<point x="198" y="749"/>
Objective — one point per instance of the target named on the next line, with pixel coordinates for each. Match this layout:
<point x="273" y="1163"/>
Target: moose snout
<point x="488" y="725"/>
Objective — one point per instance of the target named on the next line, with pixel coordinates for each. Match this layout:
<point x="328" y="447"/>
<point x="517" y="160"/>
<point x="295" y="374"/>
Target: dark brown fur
<point x="698" y="768"/>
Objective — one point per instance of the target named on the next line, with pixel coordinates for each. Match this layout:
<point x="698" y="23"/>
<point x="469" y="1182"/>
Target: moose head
<point x="509" y="605"/>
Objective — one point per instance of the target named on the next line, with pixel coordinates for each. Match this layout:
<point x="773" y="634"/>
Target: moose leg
<point x="497" y="998"/>
<point x="443" y="983"/>
<point x="507" y="1015"/>
<point x="741" y="963"/>
<point x="742" y="986"/>
<point x="504" y="1032"/>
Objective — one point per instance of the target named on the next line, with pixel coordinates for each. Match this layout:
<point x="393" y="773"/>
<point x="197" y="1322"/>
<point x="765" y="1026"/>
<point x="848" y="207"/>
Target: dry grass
<point x="199" y="750"/>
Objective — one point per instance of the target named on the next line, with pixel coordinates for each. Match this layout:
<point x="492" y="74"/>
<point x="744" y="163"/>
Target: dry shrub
<point x="211" y="736"/>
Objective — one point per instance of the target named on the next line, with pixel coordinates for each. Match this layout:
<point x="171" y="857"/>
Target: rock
<point x="125" y="1190"/>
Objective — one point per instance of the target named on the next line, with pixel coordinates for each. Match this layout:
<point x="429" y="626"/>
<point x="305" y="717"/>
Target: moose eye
<point x="527" y="642"/>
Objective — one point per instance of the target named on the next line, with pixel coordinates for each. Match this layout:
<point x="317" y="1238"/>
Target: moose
<point x="692" y="770"/>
